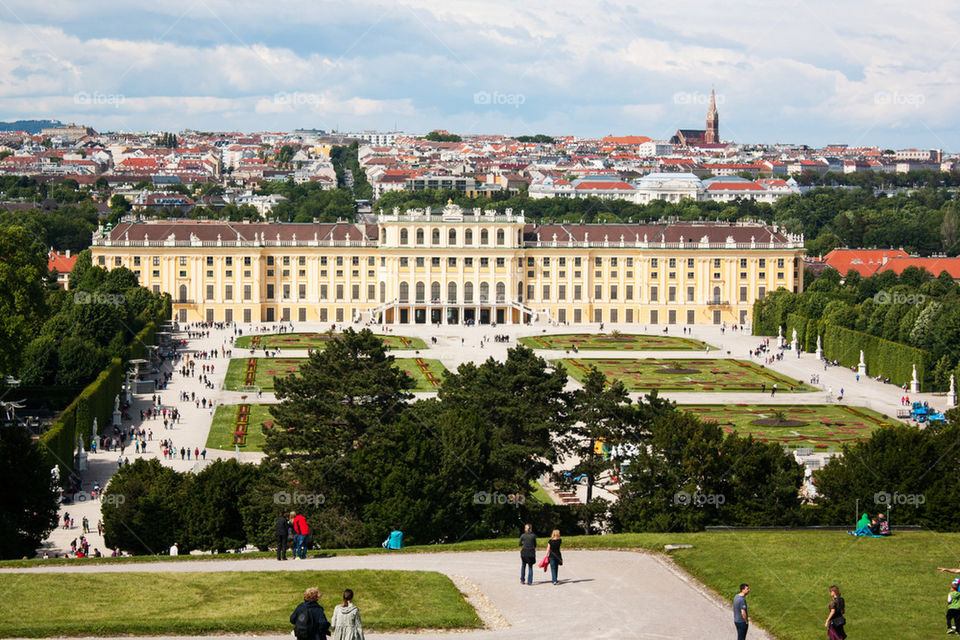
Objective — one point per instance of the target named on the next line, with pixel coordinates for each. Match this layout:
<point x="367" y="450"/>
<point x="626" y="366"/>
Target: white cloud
<point x="807" y="71"/>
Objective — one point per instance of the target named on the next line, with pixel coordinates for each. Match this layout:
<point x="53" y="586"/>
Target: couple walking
<point x="310" y="621"/>
<point x="528" y="555"/>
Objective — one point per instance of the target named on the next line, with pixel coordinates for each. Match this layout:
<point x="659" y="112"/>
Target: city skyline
<point x="795" y="73"/>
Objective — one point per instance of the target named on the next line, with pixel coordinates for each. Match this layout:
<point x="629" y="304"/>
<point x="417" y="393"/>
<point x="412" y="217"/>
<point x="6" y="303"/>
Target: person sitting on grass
<point x="395" y="539"/>
<point x="884" y="525"/>
<point x="863" y="528"/>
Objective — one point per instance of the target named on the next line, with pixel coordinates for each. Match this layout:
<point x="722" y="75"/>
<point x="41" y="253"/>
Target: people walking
<point x="740" y="618"/>
<point x="836" y="619"/>
<point x="554" y="555"/>
<point x="280" y="530"/>
<point x="346" y="619"/>
<point x="308" y="619"/>
<point x="528" y="554"/>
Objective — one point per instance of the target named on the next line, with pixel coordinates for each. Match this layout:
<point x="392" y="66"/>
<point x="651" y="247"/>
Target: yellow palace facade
<point x="456" y="267"/>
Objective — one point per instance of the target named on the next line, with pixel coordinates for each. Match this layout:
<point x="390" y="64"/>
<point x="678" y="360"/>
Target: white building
<point x="672" y="187"/>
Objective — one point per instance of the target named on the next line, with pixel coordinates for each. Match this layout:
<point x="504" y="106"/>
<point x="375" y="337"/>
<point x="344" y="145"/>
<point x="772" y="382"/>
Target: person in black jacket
<point x="281" y="530"/>
<point x="554" y="556"/>
<point x="317" y="627"/>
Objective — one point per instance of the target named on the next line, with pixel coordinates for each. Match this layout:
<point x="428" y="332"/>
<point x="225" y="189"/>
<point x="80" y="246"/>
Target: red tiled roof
<point x="60" y="262"/>
<point x="933" y="265"/>
<point x="626" y="140"/>
<point x="593" y="185"/>
<point x="735" y="186"/>
<point x="865" y="261"/>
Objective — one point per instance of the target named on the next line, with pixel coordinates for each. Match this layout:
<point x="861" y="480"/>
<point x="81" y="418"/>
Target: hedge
<point x="798" y="322"/>
<point x="59" y="441"/>
<point x="884" y="358"/>
<point x="138" y="346"/>
<point x="97" y="399"/>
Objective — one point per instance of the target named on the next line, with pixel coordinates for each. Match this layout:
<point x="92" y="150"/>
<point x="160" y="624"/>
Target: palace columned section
<point x="455" y="267"/>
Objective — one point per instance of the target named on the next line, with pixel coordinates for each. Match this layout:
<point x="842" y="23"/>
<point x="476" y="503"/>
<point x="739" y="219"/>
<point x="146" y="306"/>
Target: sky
<point x="862" y="73"/>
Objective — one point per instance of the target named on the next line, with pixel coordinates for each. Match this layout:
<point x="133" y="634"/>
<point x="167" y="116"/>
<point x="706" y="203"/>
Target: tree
<point x="600" y="413"/>
<point x="688" y="475"/>
<point x="144" y="507"/>
<point x="911" y="471"/>
<point x="328" y="410"/>
<point x="29" y="505"/>
<point x="23" y="265"/>
<point x="437" y="136"/>
<point x="214" y="521"/>
<point x="522" y="400"/>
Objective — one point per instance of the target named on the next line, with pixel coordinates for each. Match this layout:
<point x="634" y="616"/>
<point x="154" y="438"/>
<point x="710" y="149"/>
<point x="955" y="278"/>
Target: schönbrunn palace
<point x="454" y="267"/>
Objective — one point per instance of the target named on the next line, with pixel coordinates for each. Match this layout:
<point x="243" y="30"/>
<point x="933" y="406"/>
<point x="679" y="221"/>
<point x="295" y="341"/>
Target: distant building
<point x="696" y="137"/>
<point x="72" y="132"/>
<point x="62" y="263"/>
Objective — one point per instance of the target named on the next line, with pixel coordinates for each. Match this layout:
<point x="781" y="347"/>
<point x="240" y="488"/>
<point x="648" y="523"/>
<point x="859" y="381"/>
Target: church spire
<point x="712" y="133"/>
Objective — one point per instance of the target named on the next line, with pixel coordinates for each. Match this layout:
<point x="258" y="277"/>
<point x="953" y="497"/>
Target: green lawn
<point x="824" y="427"/>
<point x="268" y="368"/>
<point x="539" y="494"/>
<point x="891" y="585"/>
<point x="318" y="341"/>
<point x="605" y="341"/>
<point x="224" y="424"/>
<point x="221" y="602"/>
<point x="687" y="374"/>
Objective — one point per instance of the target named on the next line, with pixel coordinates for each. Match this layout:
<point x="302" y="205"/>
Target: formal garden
<point x="820" y="427"/>
<point x="612" y="341"/>
<point x="318" y="341"/>
<point x="239" y="426"/>
<point x="689" y="374"/>
<point x="247" y="373"/>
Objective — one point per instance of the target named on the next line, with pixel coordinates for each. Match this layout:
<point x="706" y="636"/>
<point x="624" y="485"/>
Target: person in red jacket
<point x="301" y="530"/>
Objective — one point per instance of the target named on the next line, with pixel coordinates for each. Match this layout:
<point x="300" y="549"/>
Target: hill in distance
<point x="30" y="126"/>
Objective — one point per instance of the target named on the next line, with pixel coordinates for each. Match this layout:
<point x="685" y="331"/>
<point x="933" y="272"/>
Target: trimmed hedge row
<point x="883" y="357"/>
<point x="97" y="399"/>
<point x="94" y="401"/>
<point x="138" y="346"/>
<point x="798" y="322"/>
<point x="60" y="440"/>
